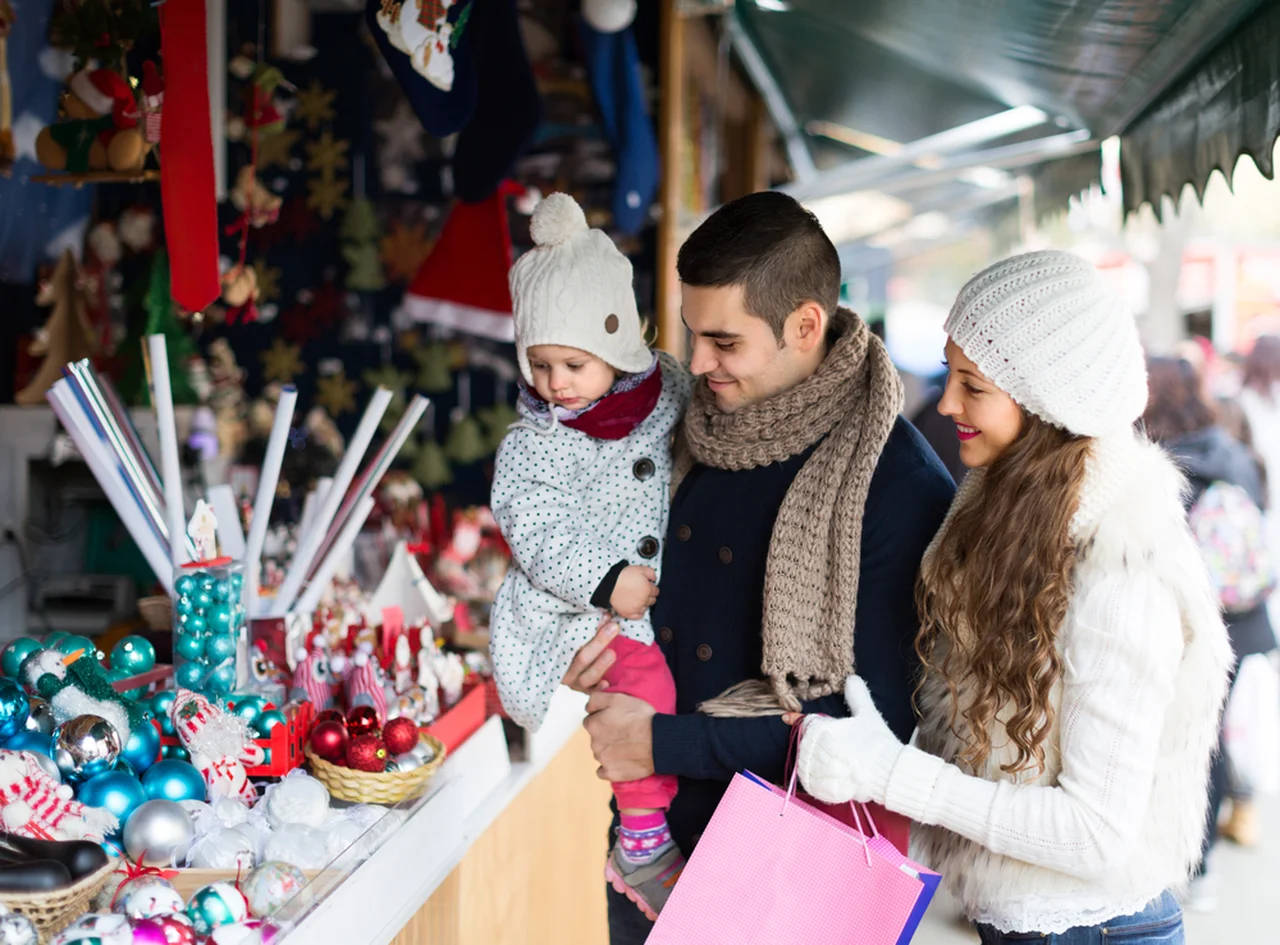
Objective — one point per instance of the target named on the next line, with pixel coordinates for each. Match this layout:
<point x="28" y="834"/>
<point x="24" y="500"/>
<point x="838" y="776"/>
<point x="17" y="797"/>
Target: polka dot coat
<point x="571" y="507"/>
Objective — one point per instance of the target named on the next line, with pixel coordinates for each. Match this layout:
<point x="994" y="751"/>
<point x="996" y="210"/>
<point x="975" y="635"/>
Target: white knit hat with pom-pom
<point x="574" y="289"/>
<point x="1046" y="329"/>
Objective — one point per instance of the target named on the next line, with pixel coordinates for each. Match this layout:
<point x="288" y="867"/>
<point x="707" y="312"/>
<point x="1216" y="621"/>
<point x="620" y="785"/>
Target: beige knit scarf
<point x="811" y="576"/>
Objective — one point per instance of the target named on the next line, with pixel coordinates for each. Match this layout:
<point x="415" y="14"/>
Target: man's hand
<point x="635" y="592"/>
<point x="621" y="730"/>
<point x="586" y="672"/>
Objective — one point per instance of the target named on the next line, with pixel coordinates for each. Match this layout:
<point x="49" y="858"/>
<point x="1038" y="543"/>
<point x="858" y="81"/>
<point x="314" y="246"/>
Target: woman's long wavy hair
<point x="997" y="588"/>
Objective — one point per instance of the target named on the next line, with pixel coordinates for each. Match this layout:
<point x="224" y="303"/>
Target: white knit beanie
<point x="1045" y="329"/>
<point x="574" y="289"/>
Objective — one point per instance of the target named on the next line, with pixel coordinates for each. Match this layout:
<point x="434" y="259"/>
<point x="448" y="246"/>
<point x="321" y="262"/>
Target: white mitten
<point x="849" y="759"/>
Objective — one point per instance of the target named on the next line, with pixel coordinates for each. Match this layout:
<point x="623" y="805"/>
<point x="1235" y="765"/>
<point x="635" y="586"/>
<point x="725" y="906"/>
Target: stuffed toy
<point x="85" y="690"/>
<point x="313" y="678"/>
<point x="33" y="804"/>
<point x="101" y="127"/>
<point x="220" y="744"/>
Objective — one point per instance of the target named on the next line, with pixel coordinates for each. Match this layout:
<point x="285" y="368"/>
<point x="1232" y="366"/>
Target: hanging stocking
<point x="614" y="65"/>
<point x="186" y="173"/>
<point x="508" y="108"/>
<point x="442" y="112"/>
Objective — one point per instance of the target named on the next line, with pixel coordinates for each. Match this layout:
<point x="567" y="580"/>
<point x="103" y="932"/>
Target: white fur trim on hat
<point x="574" y="289"/>
<point x="1046" y="329"/>
<point x="85" y="89"/>
<point x="609" y="16"/>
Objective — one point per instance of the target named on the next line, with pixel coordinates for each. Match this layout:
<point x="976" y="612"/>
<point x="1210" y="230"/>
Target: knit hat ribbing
<point x="1044" y="328"/>
<point x="574" y="289"/>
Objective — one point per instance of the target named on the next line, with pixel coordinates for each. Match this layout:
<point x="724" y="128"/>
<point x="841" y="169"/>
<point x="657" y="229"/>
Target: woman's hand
<point x="849" y="759"/>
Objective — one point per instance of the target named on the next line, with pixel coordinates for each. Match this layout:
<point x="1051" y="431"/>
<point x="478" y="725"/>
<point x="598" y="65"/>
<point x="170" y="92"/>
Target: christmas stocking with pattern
<point x="437" y="72"/>
<point x="508" y="108"/>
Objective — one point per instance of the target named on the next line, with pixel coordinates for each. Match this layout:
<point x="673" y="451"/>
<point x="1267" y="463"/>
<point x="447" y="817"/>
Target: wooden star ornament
<point x="336" y="394"/>
<point x="327" y="153"/>
<point x="315" y="105"/>
<point x="404" y="249"/>
<point x="327" y="194"/>
<point x="281" y="362"/>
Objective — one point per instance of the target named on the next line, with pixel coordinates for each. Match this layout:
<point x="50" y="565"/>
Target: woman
<point x="1180" y="419"/>
<point x="1075" y="661"/>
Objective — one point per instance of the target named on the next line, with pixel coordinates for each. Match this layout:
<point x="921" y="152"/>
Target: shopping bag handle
<point x="792" y="748"/>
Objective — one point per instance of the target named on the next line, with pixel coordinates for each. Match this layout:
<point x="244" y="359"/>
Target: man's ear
<point x="808" y="326"/>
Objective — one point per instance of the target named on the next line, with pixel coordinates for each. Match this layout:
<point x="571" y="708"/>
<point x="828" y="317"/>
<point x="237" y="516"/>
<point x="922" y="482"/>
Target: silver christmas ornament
<point x="40" y="716"/>
<point x="407" y="762"/>
<point x="159" y="833"/>
<point x="85" y="746"/>
<point x="48" y="765"/>
<point x="17" y="929"/>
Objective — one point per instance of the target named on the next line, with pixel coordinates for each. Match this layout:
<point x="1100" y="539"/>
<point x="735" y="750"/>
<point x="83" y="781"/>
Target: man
<point x="803" y="506"/>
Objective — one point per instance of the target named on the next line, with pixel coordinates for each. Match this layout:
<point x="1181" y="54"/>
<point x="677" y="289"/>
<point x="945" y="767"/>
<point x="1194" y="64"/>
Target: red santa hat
<point x="106" y="93"/>
<point x="463" y="283"/>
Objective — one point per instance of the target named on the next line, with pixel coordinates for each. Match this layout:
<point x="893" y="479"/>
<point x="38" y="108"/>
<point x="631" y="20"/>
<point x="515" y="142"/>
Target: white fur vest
<point x="1130" y="749"/>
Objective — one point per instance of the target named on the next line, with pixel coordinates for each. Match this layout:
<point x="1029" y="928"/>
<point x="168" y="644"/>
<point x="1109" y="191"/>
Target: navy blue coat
<point x="708" y="616"/>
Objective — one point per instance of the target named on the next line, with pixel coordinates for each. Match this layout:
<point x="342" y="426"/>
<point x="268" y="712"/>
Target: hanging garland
<point x="105" y="30"/>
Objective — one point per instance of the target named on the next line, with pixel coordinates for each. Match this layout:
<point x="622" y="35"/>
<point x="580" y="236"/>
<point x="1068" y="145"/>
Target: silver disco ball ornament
<point x="85" y="746"/>
<point x="40" y="717"/>
<point x="159" y="833"/>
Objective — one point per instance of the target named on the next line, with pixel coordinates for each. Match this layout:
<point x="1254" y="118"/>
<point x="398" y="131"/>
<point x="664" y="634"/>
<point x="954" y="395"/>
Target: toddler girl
<point x="581" y="494"/>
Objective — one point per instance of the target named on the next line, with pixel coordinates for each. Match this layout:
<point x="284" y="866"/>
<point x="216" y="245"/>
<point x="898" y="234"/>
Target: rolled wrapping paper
<point x="267" y="481"/>
<point x="310" y="545"/>
<point x="320" y="580"/>
<point x="106" y="469"/>
<point x="311" y="505"/>
<point x="378" y="467"/>
<point x="170" y="466"/>
<point x="230" y="535"/>
<point x="118" y="410"/>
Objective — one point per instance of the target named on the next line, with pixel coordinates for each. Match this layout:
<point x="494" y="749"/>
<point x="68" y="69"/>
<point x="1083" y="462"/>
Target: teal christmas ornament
<point x="202" y="599"/>
<point x="220" y="647"/>
<point x="15" y="653"/>
<point x="70" y="644"/>
<point x="222" y="589"/>
<point x="37" y="742"/>
<point x="190" y="646"/>
<point x="191" y="675"/>
<point x="237" y="583"/>
<point x="134" y="654"/>
<point x="216" y="905"/>
<point x="174" y="780"/>
<point x="183" y="606"/>
<point x="175" y="752"/>
<point x="223" y="679"/>
<point x="267" y="721"/>
<point x="248" y="707"/>
<point x="195" y="624"/>
<point x="221" y="618"/>
<point x="14" y="708"/>
<point x="186" y="584"/>
<point x="142" y="750"/>
<point x="162" y="703"/>
<point x="53" y="638"/>
<point x="117" y="791"/>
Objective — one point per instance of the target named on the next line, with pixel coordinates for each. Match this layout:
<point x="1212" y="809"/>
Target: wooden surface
<point x="536" y="876"/>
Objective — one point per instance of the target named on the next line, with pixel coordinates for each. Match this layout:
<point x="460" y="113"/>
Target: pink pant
<point x="642" y="671"/>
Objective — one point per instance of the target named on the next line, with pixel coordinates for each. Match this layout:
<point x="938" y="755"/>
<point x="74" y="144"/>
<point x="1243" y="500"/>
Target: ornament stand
<point x="78" y="180"/>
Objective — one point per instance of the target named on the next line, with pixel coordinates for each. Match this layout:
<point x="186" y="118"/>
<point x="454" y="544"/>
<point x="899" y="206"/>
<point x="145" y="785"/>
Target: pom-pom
<point x="557" y="220"/>
<point x="609" y="16"/>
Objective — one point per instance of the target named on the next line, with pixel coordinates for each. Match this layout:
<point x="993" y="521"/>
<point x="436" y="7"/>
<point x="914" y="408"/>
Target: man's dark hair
<point x="772" y="247"/>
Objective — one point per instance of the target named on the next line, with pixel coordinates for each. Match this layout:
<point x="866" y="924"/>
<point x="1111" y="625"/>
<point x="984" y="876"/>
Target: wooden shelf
<point x="97" y="177"/>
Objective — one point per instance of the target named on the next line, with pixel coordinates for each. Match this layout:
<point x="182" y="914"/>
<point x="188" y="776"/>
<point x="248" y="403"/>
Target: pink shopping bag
<point x="772" y="869"/>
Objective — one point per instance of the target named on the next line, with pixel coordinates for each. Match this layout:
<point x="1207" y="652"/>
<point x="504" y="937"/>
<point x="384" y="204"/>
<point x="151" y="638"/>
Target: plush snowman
<point x="220" y="744"/>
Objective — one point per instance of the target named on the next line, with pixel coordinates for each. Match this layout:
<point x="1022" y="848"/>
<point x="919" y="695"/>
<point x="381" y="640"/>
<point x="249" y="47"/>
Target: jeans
<point x="627" y="924"/>
<point x="1160" y="923"/>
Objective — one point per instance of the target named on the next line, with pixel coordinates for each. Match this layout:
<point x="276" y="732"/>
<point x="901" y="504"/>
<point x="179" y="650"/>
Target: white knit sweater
<point x="1118" y="814"/>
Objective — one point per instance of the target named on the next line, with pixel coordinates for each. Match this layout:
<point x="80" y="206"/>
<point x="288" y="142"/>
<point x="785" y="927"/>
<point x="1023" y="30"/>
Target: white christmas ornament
<point x="97" y="928"/>
<point x="147" y="897"/>
<point x="298" y="799"/>
<point x="609" y="16"/>
<point x="303" y="847"/>
<point x="226" y="848"/>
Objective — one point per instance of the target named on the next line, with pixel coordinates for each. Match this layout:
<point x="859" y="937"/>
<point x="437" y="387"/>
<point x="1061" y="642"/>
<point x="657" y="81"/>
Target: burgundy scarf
<point x="616" y="414"/>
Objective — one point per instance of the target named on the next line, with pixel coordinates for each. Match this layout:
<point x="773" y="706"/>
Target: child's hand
<point x="635" y="592"/>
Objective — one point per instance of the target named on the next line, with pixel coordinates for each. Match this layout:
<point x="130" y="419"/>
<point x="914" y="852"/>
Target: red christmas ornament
<point x="331" y="715"/>
<point x="400" y="735"/>
<point x="367" y="753"/>
<point x="362" y="720"/>
<point x="329" y="741"/>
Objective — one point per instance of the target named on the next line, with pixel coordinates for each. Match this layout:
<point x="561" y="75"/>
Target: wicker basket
<point x="54" y="911"/>
<point x="157" y="611"/>
<point x="369" y="787"/>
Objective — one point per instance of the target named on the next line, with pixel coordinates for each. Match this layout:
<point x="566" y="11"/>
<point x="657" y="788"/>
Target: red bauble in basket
<point x="367" y="753"/>
<point x="329" y="741"/>
<point x="362" y="720"/>
<point x="331" y="715"/>
<point x="400" y="735"/>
